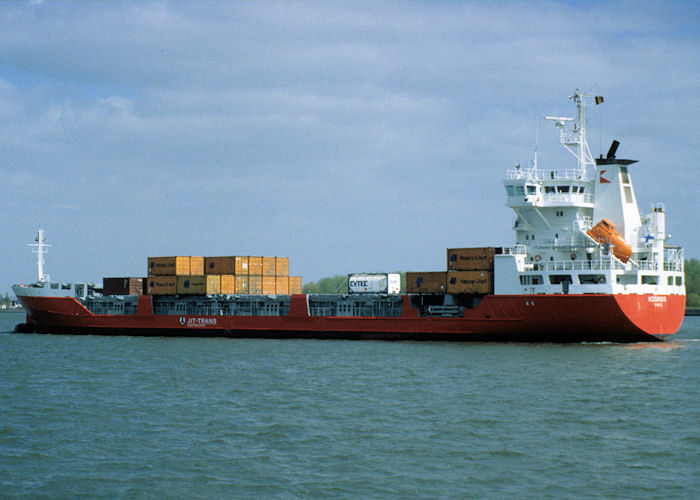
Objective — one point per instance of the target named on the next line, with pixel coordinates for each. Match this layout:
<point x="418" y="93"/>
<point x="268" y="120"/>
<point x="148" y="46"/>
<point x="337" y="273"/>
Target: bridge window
<point x="531" y="189"/>
<point x="510" y="190"/>
<point x="563" y="189"/>
<point x="549" y="190"/>
<point x="649" y="279"/>
<point x="556" y="279"/>
<point x="679" y="280"/>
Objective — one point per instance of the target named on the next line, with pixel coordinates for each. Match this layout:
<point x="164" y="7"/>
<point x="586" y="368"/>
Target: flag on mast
<point x="599" y="99"/>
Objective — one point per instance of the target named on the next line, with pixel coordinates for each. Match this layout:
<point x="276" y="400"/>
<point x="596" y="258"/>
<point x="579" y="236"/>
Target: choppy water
<point x="111" y="417"/>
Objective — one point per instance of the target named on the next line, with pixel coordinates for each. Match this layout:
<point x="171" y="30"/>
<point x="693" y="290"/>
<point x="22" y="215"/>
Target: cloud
<point x="333" y="121"/>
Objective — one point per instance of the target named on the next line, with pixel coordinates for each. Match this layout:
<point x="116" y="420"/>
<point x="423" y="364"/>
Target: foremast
<point x="39" y="247"/>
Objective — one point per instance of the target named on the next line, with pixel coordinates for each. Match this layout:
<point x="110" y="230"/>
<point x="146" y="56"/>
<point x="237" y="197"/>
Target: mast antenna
<point x="574" y="139"/>
<point x="40" y="248"/>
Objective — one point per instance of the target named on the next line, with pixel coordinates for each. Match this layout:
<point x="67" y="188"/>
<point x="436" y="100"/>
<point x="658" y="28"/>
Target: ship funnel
<point x="613" y="150"/>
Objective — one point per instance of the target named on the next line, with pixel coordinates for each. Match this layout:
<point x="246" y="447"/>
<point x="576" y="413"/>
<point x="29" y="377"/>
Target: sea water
<point x="127" y="417"/>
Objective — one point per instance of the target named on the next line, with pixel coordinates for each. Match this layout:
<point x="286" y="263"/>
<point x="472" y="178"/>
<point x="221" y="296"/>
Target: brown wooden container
<point x="268" y="266"/>
<point x="294" y="285"/>
<point x="470" y="259"/>
<point x="219" y="265"/>
<point x="122" y="286"/>
<point x="169" y="266"/>
<point x="470" y="282"/>
<point x="281" y="266"/>
<point x="228" y="284"/>
<point x="426" y="282"/>
<point x="255" y="266"/>
<point x="269" y="285"/>
<point x="255" y="284"/>
<point x="161" y="285"/>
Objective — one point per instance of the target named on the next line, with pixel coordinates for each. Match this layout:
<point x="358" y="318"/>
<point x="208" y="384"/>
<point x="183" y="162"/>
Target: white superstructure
<point x="556" y="209"/>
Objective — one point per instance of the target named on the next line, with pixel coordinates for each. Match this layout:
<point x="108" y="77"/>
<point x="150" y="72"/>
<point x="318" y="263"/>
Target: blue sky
<point x="347" y="136"/>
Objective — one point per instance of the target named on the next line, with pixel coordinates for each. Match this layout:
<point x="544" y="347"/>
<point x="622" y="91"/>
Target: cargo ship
<point x="586" y="266"/>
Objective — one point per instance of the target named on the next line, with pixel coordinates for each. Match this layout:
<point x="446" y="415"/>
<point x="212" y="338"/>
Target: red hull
<point x="515" y="318"/>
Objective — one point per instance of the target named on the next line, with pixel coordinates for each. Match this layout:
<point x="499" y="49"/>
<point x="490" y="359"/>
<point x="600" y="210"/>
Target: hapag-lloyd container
<point x="426" y="282"/>
<point x="374" y="283"/>
<point x="469" y="282"/>
<point x="471" y="259"/>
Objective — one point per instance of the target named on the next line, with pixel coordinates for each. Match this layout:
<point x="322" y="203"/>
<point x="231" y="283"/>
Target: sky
<point x="347" y="136"/>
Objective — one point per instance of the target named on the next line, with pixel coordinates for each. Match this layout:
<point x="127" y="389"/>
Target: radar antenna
<point x="574" y="138"/>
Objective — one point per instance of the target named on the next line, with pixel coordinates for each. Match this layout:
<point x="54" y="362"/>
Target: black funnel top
<point x="610" y="158"/>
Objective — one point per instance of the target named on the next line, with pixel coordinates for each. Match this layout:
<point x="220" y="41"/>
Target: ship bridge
<point x="549" y="188"/>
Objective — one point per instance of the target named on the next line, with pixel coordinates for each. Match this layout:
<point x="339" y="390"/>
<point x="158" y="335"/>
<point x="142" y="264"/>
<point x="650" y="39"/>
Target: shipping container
<point x="282" y="285"/>
<point x="268" y="266"/>
<point x="162" y="285"/>
<point x="294" y="285"/>
<point x="255" y="266"/>
<point x="196" y="266"/>
<point x="228" y="284"/>
<point x="281" y="266"/>
<point x="241" y="265"/>
<point x="242" y="283"/>
<point x="169" y="266"/>
<point x="123" y="286"/>
<point x="470" y="282"/>
<point x="426" y="282"/>
<point x="471" y="259"/>
<point x="191" y="285"/>
<point x="226" y="265"/>
<point x="374" y="283"/>
<point x="255" y="286"/>
<point x="269" y="285"/>
<point x="213" y="284"/>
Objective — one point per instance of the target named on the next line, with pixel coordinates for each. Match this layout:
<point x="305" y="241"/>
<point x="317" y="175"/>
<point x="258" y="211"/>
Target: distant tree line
<point x="7" y="301"/>
<point x="692" y="283"/>
<point x="339" y="284"/>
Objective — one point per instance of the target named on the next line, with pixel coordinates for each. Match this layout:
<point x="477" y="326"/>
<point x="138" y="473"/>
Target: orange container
<point x="228" y="284"/>
<point x="242" y="284"/>
<point x="241" y="265"/>
<point x="269" y="285"/>
<point x="294" y="285"/>
<point x="255" y="285"/>
<point x="281" y="266"/>
<point x="282" y="285"/>
<point x="268" y="266"/>
<point x="213" y="284"/>
<point x="255" y="266"/>
<point x="605" y="232"/>
<point x="196" y="266"/>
